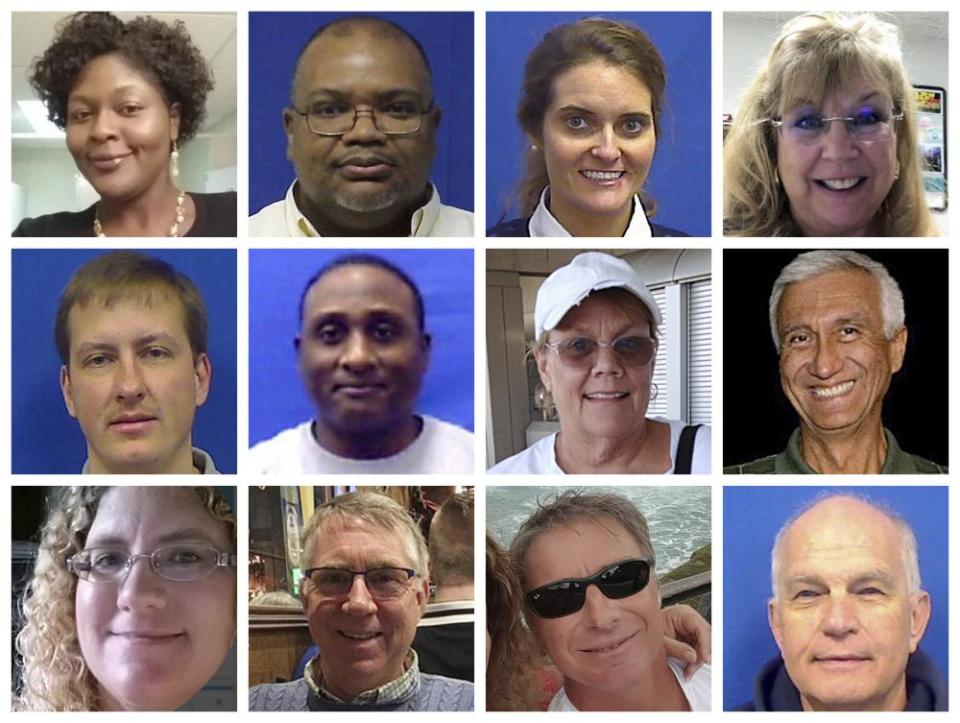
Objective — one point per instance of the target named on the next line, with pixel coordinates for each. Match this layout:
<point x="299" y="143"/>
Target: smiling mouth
<point x="840" y="184"/>
<point x="108" y="163"/>
<point x="609" y="648"/>
<point x="603" y="176"/>
<point x="606" y="396"/>
<point x="832" y="392"/>
<point x="360" y="637"/>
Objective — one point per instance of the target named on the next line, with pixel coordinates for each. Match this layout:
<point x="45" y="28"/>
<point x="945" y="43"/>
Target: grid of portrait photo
<point x="290" y="244"/>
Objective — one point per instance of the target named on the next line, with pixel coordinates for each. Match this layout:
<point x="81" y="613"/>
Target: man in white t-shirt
<point x="362" y="354"/>
<point x="592" y="600"/>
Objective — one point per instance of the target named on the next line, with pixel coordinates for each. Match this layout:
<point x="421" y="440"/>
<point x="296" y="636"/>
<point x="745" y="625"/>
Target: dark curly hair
<point x="164" y="53"/>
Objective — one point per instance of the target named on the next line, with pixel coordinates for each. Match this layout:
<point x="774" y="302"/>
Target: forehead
<point x="607" y="307"/>
<point x="358" y="288"/>
<point x="362" y="61"/>
<point x="113" y="71"/>
<point x="118" y="316"/>
<point x="579" y="549"/>
<point x="359" y="543"/>
<point x="835" y="293"/>
<point x="842" y="538"/>
<point x="820" y="87"/>
<point x="151" y="514"/>
<point x="600" y="86"/>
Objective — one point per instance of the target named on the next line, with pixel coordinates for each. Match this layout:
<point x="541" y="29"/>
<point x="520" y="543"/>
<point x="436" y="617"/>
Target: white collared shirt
<point x="284" y="218"/>
<point x="543" y="223"/>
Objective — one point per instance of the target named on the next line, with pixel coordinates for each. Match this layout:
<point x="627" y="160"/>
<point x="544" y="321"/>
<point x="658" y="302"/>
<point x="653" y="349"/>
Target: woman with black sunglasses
<point x="592" y="600"/>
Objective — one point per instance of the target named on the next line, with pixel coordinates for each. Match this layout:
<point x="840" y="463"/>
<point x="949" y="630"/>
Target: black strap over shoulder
<point x="685" y="449"/>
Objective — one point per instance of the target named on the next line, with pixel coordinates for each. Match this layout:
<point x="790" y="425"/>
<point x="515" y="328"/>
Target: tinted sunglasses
<point x="565" y="597"/>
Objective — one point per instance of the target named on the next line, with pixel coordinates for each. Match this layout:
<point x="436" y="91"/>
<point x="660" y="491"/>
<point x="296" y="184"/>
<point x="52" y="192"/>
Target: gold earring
<point x="175" y="160"/>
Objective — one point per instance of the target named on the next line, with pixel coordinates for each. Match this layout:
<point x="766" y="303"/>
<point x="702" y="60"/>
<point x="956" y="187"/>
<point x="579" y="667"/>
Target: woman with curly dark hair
<point x="128" y="95"/>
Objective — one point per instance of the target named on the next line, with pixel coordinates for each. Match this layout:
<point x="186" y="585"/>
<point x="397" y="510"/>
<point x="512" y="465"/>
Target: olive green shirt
<point x="790" y="461"/>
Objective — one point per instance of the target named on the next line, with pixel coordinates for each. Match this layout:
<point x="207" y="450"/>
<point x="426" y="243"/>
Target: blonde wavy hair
<point x="812" y="57"/>
<point x="54" y="675"/>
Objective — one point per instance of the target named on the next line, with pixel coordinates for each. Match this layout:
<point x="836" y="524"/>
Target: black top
<point x="520" y="227"/>
<point x="773" y="690"/>
<point x="216" y="216"/>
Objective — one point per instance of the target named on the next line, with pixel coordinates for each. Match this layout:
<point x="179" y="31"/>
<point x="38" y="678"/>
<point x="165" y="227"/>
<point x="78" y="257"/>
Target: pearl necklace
<point x="174" y="229"/>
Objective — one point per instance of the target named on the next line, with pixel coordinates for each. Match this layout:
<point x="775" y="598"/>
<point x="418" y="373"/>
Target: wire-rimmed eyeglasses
<point x="580" y="352"/>
<point x="383" y="583"/>
<point x="180" y="562"/>
<point x="396" y="118"/>
<point x="868" y="125"/>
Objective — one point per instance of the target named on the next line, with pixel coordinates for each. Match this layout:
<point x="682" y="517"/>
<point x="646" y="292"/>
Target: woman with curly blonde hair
<point x="825" y="140"/>
<point x="101" y="632"/>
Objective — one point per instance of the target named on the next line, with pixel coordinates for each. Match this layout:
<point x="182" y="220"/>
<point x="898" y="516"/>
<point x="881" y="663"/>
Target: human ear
<point x="66" y="388"/>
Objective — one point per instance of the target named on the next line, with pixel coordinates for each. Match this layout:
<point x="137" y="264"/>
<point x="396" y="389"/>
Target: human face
<point x="364" y="179"/>
<point x="608" y="645"/>
<point x="835" y="362"/>
<point x="134" y="385"/>
<point x="836" y="186"/>
<point x="153" y="643"/>
<point x="843" y="615"/>
<point x="362" y="354"/>
<point x="607" y="400"/>
<point x="120" y="128"/>
<point x="363" y="642"/>
<point x="598" y="143"/>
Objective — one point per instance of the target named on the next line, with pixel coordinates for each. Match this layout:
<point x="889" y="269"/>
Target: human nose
<point x="606" y="360"/>
<point x="837" y="141"/>
<point x="359" y="600"/>
<point x="827" y="359"/>
<point x="599" y="610"/>
<point x="130" y="384"/>
<point x="104" y="126"/>
<point x="839" y="617"/>
<point x="606" y="148"/>
<point x="140" y="587"/>
<point x="365" y="128"/>
<point x="357" y="353"/>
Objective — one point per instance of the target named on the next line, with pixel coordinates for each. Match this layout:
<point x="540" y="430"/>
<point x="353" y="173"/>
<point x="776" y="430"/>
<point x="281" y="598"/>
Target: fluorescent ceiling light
<point x="36" y="114"/>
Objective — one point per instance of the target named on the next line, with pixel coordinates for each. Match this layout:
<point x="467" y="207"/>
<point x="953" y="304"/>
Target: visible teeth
<point x="359" y="636"/>
<point x="830" y="392"/>
<point x="607" y="395"/>
<point x="602" y="175"/>
<point x="603" y="650"/>
<point x="840" y="184"/>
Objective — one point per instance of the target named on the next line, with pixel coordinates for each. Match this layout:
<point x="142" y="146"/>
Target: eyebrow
<point x="868" y="576"/>
<point x="573" y="107"/>
<point x="381" y="96"/>
<point x="160" y="336"/>
<point x="181" y="535"/>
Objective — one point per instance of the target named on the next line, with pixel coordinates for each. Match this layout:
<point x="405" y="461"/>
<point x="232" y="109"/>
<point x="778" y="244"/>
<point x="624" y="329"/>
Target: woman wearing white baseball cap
<point x="596" y="331"/>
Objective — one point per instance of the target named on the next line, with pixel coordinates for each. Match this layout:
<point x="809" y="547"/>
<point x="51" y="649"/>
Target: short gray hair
<point x="573" y="506"/>
<point x="374" y="509"/>
<point x="908" y="540"/>
<point x="815" y="263"/>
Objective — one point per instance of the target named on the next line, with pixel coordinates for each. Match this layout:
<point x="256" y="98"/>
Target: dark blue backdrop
<point x="277" y="279"/>
<point x="275" y="42"/>
<point x="752" y="516"/>
<point x="45" y="438"/>
<point x="680" y="177"/>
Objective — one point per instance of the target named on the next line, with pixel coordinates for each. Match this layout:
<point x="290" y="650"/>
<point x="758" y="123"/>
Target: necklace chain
<point x="172" y="233"/>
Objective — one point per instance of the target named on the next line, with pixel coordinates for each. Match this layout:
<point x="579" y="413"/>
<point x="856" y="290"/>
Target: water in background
<point x="678" y="517"/>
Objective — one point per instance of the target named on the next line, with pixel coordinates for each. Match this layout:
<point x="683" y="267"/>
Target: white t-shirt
<point x="441" y="448"/>
<point x="541" y="458"/>
<point x="696" y="690"/>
